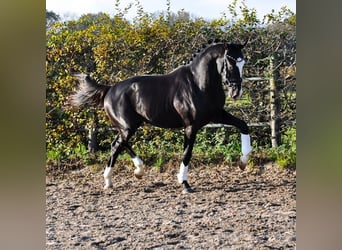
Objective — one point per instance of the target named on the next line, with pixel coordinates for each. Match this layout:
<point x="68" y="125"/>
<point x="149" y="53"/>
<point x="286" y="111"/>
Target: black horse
<point x="191" y="96"/>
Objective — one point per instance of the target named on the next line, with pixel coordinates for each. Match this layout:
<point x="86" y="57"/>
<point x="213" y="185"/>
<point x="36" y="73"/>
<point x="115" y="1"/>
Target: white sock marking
<point x="139" y="167"/>
<point x="107" y="177"/>
<point x="183" y="173"/>
<point x="246" y="147"/>
<point x="137" y="161"/>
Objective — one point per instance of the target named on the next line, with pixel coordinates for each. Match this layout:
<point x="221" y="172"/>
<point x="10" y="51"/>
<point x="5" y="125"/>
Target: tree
<point x="51" y="18"/>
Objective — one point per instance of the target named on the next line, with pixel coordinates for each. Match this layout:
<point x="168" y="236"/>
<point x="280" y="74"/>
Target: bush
<point x="113" y="49"/>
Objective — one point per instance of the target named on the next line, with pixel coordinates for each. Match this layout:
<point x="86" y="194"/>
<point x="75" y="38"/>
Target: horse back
<point x="151" y="97"/>
<point x="168" y="101"/>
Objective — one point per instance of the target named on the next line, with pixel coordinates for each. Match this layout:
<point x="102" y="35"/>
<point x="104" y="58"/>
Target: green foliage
<point x="216" y="145"/>
<point x="285" y="154"/>
<point x="113" y="49"/>
<point x="60" y="152"/>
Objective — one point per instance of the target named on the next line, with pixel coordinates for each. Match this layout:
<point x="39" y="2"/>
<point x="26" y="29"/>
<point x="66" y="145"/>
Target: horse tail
<point x="89" y="92"/>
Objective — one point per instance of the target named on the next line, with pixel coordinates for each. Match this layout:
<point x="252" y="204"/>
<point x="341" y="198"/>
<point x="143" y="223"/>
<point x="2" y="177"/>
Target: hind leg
<point x="126" y="120"/>
<point x="118" y="145"/>
<point x="115" y="151"/>
<point x="138" y="163"/>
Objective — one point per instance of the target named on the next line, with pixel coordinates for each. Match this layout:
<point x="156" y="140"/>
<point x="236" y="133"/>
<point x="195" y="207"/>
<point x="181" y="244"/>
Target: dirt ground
<point x="230" y="209"/>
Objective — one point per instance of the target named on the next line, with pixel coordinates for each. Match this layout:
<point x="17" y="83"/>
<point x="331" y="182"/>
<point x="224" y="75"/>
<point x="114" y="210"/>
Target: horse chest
<point x="198" y="108"/>
<point x="215" y="99"/>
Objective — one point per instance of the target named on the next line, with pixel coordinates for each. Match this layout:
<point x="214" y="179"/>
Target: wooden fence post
<point x="92" y="134"/>
<point x="274" y="104"/>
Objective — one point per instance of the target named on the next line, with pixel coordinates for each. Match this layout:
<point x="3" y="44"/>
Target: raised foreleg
<point x="225" y="118"/>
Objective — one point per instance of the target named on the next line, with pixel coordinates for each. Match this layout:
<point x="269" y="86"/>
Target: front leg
<point x="225" y="118"/>
<point x="246" y="149"/>
<point x="189" y="140"/>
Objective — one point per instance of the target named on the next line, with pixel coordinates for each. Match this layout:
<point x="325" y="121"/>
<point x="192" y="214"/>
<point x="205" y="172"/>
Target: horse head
<point x="230" y="67"/>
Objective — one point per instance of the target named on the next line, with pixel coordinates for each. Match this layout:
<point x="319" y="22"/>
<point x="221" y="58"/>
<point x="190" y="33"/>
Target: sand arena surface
<point x="230" y="209"/>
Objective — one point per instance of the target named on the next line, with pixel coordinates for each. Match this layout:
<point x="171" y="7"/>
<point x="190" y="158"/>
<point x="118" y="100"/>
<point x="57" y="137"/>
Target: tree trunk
<point x="92" y="134"/>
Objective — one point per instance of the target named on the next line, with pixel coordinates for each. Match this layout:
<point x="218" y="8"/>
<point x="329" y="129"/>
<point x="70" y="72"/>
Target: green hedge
<point x="113" y="49"/>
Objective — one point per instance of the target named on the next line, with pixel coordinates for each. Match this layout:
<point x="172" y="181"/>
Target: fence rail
<point x="255" y="78"/>
<point x="216" y="125"/>
<point x="255" y="124"/>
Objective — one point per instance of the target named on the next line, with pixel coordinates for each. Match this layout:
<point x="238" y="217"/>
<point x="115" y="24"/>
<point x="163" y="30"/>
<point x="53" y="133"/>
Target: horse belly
<point x="163" y="118"/>
<point x="169" y="122"/>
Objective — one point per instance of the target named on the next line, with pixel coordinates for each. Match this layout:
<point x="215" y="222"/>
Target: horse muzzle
<point x="234" y="90"/>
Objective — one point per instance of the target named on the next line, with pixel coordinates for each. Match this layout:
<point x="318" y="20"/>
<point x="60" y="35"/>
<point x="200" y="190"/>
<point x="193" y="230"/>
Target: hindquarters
<point x="119" y="109"/>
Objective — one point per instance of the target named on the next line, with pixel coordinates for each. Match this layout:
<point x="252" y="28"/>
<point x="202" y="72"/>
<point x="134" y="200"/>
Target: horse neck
<point x="204" y="68"/>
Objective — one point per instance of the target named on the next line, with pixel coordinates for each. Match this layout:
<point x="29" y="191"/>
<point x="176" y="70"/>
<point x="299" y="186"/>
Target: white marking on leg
<point x="246" y="147"/>
<point x="139" y="167"/>
<point x="183" y="173"/>
<point x="137" y="161"/>
<point x="107" y="177"/>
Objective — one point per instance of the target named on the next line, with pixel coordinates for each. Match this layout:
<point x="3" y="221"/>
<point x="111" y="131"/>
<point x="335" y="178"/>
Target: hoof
<point x="139" y="172"/>
<point x="108" y="186"/>
<point x="242" y="165"/>
<point x="187" y="191"/>
<point x="138" y="176"/>
<point x="243" y="162"/>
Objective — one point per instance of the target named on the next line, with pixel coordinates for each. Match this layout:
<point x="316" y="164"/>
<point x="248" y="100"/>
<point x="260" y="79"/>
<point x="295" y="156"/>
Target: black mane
<point x="204" y="46"/>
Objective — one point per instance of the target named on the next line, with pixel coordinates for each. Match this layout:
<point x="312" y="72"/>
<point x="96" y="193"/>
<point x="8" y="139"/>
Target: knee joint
<point x="244" y="128"/>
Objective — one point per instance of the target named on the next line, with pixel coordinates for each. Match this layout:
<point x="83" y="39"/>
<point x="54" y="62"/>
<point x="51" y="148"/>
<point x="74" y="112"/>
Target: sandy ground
<point x="230" y="209"/>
